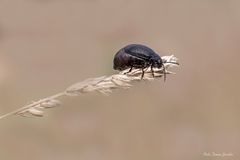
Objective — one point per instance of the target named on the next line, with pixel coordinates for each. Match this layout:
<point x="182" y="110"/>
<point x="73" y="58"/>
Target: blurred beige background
<point x="46" y="45"/>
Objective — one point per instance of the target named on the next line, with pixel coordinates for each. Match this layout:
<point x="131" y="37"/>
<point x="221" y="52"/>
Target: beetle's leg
<point x="142" y="73"/>
<point x="129" y="70"/>
<point x="164" y="73"/>
<point x="152" y="70"/>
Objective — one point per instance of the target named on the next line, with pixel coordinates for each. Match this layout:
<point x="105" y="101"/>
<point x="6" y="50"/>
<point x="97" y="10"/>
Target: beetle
<point x="137" y="56"/>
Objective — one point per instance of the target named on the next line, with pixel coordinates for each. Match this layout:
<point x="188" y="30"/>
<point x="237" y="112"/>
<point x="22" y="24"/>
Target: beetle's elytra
<point x="137" y="56"/>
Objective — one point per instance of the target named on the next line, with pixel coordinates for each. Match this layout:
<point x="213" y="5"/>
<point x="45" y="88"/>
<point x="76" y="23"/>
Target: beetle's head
<point x="157" y="63"/>
<point x="160" y="64"/>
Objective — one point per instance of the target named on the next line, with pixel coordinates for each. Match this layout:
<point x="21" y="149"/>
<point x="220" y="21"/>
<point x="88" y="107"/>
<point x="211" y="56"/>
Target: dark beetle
<point x="137" y="56"/>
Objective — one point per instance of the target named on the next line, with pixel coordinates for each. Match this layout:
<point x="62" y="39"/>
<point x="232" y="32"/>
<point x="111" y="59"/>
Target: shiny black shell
<point x="136" y="56"/>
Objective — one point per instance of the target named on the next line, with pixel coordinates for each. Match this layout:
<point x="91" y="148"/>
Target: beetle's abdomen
<point x="121" y="61"/>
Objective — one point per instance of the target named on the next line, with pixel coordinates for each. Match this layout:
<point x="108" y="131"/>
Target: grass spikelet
<point x="104" y="85"/>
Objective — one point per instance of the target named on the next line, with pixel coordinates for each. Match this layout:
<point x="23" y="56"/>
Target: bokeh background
<point x="47" y="45"/>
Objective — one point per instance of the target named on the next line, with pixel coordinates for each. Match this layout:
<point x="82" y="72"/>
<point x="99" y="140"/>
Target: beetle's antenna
<point x="172" y="63"/>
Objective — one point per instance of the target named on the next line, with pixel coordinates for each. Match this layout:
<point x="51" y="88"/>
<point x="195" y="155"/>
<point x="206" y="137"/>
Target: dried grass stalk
<point x="104" y="85"/>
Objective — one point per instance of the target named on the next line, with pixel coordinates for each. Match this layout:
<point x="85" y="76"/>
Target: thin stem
<point x="32" y="105"/>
